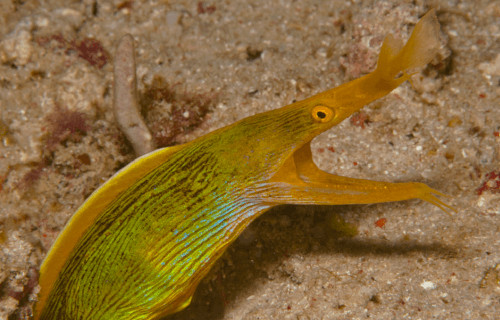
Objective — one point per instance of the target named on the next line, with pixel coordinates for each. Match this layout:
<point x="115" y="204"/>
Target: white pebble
<point x="428" y="285"/>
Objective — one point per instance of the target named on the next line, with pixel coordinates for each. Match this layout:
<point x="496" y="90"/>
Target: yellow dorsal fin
<point x="89" y="211"/>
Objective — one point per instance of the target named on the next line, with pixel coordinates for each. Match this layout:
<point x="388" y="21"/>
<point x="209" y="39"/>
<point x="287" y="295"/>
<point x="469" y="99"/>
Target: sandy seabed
<point x="403" y="260"/>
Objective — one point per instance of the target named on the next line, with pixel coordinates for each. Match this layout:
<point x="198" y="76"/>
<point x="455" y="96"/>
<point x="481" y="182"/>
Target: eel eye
<point x="322" y="114"/>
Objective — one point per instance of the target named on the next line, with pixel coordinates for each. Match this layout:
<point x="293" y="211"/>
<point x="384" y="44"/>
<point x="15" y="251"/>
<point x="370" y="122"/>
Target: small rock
<point x="491" y="68"/>
<point x="7" y="307"/>
<point x="428" y="285"/>
<point x="16" y="47"/>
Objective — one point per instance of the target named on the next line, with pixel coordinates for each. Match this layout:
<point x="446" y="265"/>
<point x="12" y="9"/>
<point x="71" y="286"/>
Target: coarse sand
<point x="220" y="61"/>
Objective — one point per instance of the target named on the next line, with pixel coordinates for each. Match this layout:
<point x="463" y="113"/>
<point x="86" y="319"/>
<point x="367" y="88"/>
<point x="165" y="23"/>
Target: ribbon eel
<point x="140" y="244"/>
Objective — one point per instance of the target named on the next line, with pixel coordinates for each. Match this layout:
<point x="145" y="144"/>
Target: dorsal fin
<point x="89" y="211"/>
